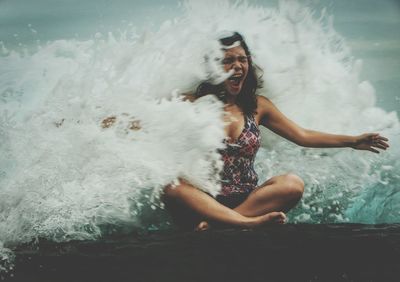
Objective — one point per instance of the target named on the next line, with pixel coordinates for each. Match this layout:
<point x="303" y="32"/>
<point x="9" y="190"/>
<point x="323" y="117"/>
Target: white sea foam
<point x="64" y="176"/>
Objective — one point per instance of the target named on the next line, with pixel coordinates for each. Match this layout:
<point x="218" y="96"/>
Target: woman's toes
<point x="277" y="217"/>
<point x="280" y="218"/>
<point x="202" y="226"/>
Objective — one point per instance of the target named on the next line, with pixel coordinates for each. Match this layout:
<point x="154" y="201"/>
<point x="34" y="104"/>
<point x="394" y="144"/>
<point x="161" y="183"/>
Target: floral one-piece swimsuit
<point x="238" y="177"/>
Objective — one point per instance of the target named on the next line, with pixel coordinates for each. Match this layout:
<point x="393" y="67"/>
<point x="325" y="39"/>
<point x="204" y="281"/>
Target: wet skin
<point x="268" y="202"/>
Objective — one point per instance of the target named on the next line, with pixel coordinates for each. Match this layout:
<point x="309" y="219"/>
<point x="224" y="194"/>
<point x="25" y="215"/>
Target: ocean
<point x="66" y="66"/>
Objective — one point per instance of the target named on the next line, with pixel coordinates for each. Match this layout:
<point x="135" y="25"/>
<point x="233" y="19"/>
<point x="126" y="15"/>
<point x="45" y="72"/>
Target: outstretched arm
<point x="274" y="120"/>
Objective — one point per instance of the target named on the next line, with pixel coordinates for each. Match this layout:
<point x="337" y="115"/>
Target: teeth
<point x="235" y="78"/>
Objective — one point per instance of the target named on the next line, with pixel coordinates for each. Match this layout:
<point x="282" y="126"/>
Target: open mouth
<point x="236" y="79"/>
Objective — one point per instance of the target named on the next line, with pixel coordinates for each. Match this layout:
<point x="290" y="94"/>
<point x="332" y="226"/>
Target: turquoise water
<point x="371" y="28"/>
<point x="66" y="65"/>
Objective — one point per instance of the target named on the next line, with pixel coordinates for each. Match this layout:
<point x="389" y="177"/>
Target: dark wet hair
<point x="246" y="99"/>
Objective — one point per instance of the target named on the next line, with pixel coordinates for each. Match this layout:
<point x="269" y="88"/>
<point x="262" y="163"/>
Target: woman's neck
<point x="230" y="100"/>
<point x="232" y="107"/>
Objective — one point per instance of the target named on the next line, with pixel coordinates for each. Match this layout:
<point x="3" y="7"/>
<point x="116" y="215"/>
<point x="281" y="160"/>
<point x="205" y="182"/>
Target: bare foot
<point x="202" y="226"/>
<point x="269" y="218"/>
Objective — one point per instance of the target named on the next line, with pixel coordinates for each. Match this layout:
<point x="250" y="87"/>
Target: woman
<point x="241" y="202"/>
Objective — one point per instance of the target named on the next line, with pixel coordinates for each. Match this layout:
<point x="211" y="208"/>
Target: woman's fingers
<point x="380" y="146"/>
<point x="383" y="143"/>
<point x="373" y="150"/>
<point x="377" y="136"/>
<point x="386" y="145"/>
<point x="383" y="138"/>
<point x="372" y="142"/>
<point x="378" y="141"/>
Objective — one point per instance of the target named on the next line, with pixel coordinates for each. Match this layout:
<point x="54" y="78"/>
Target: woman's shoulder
<point x="262" y="99"/>
<point x="265" y="108"/>
<point x="263" y="103"/>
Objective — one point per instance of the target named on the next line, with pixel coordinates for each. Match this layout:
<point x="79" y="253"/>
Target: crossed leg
<point x="279" y="193"/>
<point x="265" y="204"/>
<point x="188" y="206"/>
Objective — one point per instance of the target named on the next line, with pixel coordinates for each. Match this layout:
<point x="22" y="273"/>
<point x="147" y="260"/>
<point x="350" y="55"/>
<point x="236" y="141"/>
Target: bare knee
<point x="171" y="191"/>
<point x="294" y="186"/>
<point x="174" y="201"/>
<point x="174" y="191"/>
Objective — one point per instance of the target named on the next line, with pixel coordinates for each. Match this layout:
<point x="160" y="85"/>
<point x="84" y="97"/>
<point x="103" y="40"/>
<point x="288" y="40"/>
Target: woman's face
<point x="235" y="59"/>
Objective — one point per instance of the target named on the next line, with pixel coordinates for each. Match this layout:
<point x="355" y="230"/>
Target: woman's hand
<point x="370" y="141"/>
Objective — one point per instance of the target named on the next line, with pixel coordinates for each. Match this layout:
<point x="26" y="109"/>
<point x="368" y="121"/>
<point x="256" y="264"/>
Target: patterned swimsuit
<point x="238" y="176"/>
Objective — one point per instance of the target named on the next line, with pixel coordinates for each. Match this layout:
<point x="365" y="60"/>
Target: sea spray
<point x="84" y="151"/>
<point x="93" y="130"/>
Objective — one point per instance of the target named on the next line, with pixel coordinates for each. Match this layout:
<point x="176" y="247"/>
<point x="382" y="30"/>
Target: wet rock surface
<point x="292" y="252"/>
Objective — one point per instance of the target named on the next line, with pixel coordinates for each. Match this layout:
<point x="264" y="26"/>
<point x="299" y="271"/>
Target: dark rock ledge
<point x="292" y="252"/>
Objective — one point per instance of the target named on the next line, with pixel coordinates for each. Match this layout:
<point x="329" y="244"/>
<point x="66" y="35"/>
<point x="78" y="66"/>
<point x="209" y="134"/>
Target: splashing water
<point x="91" y="131"/>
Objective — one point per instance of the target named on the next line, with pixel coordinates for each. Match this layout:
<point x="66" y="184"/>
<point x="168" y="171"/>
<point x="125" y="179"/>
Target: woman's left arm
<point x="273" y="119"/>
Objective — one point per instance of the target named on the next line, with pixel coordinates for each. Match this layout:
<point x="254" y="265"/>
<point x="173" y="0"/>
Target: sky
<point x="371" y="28"/>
